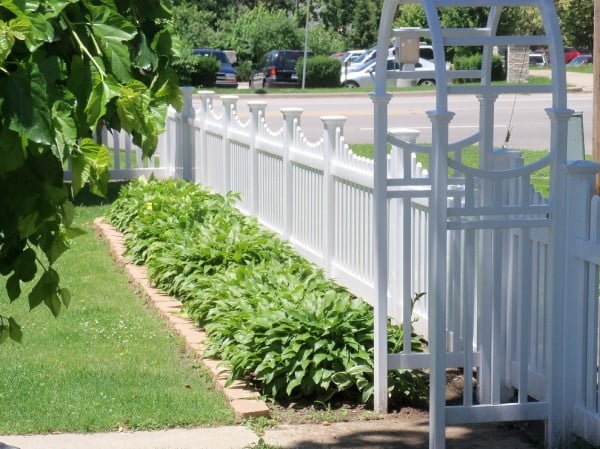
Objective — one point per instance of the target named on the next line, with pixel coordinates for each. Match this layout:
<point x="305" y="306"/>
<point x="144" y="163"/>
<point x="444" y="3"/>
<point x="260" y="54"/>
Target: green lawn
<point x="108" y="361"/>
<point x="539" y="178"/>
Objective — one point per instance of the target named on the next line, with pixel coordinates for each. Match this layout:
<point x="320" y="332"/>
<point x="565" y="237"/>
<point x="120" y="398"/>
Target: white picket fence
<point x="319" y="196"/>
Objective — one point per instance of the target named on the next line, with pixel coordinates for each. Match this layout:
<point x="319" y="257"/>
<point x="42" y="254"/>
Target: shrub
<point x="244" y="70"/>
<point x="473" y="62"/>
<point x="324" y="41"/>
<point x="197" y="70"/>
<point x="321" y="71"/>
<point x="205" y="71"/>
<point x="272" y="316"/>
<point x="259" y="30"/>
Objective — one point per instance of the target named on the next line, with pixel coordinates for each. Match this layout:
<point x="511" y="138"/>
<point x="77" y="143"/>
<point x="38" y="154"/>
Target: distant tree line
<point x="253" y="27"/>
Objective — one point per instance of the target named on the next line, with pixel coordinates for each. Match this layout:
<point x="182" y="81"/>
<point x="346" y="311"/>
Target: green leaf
<point x="7" y="40"/>
<point x="28" y="224"/>
<point x="60" y="244"/>
<point x="291" y="385"/>
<point x="111" y="29"/>
<point x="103" y="90"/>
<point x="65" y="128"/>
<point x="25" y="104"/>
<point x="45" y="291"/>
<point x="68" y="213"/>
<point x="25" y="265"/>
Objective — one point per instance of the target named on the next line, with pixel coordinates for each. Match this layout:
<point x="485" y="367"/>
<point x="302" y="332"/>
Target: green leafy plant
<point x="68" y="68"/>
<point x="473" y="62"/>
<point x="269" y="314"/>
<point x="321" y="71"/>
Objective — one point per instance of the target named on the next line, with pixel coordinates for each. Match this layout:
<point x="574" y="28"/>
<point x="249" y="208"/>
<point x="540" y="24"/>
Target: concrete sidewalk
<point x="583" y="81"/>
<point x="388" y="433"/>
<point x="229" y="437"/>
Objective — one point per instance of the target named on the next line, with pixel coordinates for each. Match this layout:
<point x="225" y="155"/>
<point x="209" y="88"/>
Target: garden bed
<point x="269" y="314"/>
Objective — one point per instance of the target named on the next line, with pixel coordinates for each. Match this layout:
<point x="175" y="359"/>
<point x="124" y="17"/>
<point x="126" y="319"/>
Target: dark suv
<point x="277" y="68"/>
<point x="226" y="75"/>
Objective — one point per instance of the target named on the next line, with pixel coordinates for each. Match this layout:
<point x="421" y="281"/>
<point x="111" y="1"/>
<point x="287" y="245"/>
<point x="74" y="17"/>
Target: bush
<point x="244" y="70"/>
<point x="323" y="41"/>
<point x="259" y="30"/>
<point x="205" y="71"/>
<point x="272" y="316"/>
<point x="321" y="71"/>
<point x="197" y="70"/>
<point x="473" y="62"/>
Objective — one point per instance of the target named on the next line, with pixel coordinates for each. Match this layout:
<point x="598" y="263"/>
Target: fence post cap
<point x="256" y="104"/>
<point x="334" y="119"/>
<point x="291" y="111"/>
<point x="205" y="93"/>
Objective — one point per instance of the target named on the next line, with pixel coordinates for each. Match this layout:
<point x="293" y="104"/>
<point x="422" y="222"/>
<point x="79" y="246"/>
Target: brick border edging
<point x="243" y="399"/>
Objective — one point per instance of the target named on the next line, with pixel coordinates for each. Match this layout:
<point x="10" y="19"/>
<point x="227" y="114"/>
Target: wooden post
<point x="596" y="87"/>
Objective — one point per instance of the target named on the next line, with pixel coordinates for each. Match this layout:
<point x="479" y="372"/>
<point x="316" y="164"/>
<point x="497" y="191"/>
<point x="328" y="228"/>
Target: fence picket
<point x="320" y="196"/>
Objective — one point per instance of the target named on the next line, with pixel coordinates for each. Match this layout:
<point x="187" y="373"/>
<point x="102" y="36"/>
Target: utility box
<point x="407" y="50"/>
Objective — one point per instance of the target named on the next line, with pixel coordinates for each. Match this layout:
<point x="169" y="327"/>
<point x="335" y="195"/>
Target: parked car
<point x="581" y="60"/>
<point x="570" y="54"/>
<point x="537" y="59"/>
<point x="277" y="68"/>
<point x="226" y="75"/>
<point x="364" y="76"/>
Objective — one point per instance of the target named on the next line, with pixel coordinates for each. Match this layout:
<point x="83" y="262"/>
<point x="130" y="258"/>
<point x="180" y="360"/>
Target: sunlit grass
<point x="470" y="158"/>
<point x="109" y="361"/>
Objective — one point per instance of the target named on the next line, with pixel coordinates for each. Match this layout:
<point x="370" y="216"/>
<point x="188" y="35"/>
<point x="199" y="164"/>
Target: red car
<point x="570" y="53"/>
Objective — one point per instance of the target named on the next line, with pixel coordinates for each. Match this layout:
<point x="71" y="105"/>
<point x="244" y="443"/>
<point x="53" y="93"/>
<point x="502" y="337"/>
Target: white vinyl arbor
<point x="482" y="207"/>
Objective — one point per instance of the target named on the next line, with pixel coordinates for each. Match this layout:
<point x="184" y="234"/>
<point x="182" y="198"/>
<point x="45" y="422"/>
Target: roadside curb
<point x="243" y="399"/>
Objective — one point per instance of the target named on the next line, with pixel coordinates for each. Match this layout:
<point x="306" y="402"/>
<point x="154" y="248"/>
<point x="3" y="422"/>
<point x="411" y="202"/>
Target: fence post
<point x="400" y="236"/>
<point x="201" y="157"/>
<point x="186" y="143"/>
<point x="229" y="105"/>
<point x="171" y="150"/>
<point x="559" y="429"/>
<point x="330" y="125"/>
<point x="291" y="119"/>
<point x="580" y="188"/>
<point x="257" y="110"/>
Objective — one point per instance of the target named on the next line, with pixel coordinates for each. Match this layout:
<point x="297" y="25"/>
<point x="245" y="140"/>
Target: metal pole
<point x="305" y="46"/>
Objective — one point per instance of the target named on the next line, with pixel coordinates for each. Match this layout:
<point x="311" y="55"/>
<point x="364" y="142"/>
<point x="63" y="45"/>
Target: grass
<point x="107" y="362"/>
<point x="345" y="90"/>
<point x="539" y="179"/>
<point x="584" y="68"/>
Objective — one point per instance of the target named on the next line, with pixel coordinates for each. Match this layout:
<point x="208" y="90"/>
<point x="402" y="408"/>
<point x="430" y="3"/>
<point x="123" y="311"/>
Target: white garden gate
<point x="484" y="315"/>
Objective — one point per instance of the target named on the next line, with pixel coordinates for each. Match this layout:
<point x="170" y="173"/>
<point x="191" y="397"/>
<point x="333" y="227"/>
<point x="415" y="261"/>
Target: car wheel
<point x="350" y="84"/>
<point x="426" y="83"/>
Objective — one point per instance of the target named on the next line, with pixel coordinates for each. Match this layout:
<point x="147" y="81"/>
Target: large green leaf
<point x="112" y="30"/>
<point x="25" y="104"/>
<point x="103" y="90"/>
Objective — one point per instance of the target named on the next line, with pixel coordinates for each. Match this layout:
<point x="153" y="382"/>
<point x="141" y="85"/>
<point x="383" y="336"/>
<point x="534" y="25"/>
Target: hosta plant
<point x="274" y="318"/>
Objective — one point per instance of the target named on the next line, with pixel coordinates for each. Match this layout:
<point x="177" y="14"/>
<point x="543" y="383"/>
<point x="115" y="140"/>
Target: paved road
<point x="529" y="126"/>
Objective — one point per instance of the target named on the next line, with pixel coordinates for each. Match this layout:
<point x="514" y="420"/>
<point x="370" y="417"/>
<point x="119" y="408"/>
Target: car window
<point x="426" y="53"/>
<point x="392" y="65"/>
<point x="218" y="55"/>
<point x="289" y="61"/>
